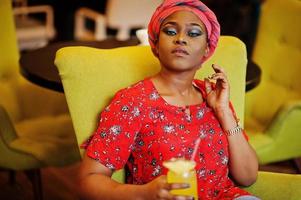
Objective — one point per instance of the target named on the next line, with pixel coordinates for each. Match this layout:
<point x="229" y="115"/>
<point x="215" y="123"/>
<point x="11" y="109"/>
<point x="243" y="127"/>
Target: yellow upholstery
<point x="273" y="109"/>
<point x="35" y="127"/>
<point x="9" y="57"/>
<point x="35" y="122"/>
<point x="29" y="106"/>
<point x="91" y="77"/>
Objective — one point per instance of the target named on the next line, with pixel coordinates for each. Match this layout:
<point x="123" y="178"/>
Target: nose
<point x="180" y="39"/>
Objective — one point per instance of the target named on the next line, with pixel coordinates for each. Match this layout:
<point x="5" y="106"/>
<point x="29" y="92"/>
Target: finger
<point x="167" y="186"/>
<point x="164" y="184"/>
<point x="165" y="194"/>
<point x="208" y="86"/>
<point x="183" y="198"/>
<point x="219" y="76"/>
<point x="217" y="68"/>
<point x="179" y="186"/>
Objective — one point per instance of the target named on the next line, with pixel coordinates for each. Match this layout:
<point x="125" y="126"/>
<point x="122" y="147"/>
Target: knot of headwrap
<point x="198" y="8"/>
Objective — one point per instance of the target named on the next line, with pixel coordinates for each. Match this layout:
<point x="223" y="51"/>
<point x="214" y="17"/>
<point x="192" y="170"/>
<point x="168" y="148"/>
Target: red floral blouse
<point x="139" y="130"/>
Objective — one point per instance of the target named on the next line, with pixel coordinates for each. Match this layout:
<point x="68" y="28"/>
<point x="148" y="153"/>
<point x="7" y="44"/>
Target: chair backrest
<point x="8" y="44"/>
<point x="17" y="95"/>
<point x="92" y="76"/>
<point x="9" y="57"/>
<point x="277" y="51"/>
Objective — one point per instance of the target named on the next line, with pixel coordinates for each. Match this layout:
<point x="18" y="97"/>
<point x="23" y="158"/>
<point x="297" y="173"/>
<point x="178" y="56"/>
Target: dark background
<point x="237" y="17"/>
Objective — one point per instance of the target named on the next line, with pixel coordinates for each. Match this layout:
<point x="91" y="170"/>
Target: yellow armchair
<point x="91" y="77"/>
<point x="273" y="109"/>
<point x="35" y="126"/>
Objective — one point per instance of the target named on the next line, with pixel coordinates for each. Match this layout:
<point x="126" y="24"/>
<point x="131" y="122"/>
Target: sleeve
<point x="113" y="140"/>
<point x="237" y="120"/>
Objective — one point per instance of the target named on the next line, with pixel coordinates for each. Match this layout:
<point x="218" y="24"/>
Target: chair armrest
<point x="288" y="117"/>
<point x="282" y="139"/>
<point x="39" y="9"/>
<point x="270" y="186"/>
<point x="7" y="129"/>
<point x="80" y="30"/>
<point x="12" y="158"/>
<point x="36" y="101"/>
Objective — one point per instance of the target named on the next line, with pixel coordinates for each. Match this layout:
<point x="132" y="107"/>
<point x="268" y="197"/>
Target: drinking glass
<point x="182" y="171"/>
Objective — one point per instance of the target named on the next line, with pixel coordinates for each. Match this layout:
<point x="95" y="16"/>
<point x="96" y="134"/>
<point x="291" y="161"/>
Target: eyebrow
<point x="175" y="23"/>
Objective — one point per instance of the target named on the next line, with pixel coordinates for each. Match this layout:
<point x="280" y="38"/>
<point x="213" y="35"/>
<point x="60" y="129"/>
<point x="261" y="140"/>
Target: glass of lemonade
<point x="182" y="171"/>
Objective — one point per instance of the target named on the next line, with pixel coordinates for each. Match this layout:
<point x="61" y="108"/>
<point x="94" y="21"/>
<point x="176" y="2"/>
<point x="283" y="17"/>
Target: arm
<point x="117" y="129"/>
<point x="243" y="164"/>
<point x="95" y="183"/>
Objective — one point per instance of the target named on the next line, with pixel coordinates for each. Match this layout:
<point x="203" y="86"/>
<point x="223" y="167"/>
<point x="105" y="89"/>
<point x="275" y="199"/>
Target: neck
<point x="179" y="83"/>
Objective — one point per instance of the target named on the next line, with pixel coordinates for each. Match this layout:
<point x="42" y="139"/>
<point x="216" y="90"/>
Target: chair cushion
<point x="36" y="101"/>
<point x="48" y="138"/>
<point x="277" y="52"/>
<point x="8" y="99"/>
<point x="271" y="186"/>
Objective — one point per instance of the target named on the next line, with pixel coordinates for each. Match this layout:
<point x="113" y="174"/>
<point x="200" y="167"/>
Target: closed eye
<point x="170" y="31"/>
<point x="194" y="33"/>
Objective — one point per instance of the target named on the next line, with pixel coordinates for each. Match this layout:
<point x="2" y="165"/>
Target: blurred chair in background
<point x="98" y="74"/>
<point x="35" y="127"/>
<point x="121" y="15"/>
<point x="33" y="32"/>
<point x="273" y="109"/>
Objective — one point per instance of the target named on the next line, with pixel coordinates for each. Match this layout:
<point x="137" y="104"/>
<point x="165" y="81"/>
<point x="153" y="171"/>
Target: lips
<point x="179" y="52"/>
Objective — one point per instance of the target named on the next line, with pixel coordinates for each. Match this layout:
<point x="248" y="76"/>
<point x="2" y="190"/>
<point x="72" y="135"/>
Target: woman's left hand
<point x="218" y="96"/>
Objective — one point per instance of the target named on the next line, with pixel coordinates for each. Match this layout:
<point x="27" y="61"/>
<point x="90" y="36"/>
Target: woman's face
<point x="182" y="42"/>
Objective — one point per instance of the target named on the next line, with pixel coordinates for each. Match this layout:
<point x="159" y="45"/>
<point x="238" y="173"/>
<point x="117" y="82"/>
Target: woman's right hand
<point x="160" y="189"/>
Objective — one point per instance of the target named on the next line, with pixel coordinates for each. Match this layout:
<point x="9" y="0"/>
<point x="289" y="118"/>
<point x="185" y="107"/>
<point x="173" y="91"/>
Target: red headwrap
<point x="198" y="8"/>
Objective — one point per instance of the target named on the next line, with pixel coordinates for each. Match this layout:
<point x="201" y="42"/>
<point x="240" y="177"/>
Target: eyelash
<point x="173" y="32"/>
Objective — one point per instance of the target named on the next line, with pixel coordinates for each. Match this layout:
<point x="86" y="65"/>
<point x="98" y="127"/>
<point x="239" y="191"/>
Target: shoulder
<point x="134" y="92"/>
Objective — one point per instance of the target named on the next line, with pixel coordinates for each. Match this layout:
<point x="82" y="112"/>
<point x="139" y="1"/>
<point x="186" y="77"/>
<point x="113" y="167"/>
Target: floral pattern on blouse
<point x="139" y="130"/>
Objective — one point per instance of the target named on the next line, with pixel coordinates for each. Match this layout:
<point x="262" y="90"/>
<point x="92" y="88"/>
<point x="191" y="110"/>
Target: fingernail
<point x="187" y="185"/>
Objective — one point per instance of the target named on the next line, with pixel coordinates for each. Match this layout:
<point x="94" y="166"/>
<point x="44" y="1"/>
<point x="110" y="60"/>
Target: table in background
<point x="38" y="66"/>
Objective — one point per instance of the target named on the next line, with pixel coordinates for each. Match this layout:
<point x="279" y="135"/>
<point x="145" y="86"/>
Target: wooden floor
<point x="59" y="183"/>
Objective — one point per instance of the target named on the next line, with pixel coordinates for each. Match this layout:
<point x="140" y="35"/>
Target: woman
<point x="162" y="116"/>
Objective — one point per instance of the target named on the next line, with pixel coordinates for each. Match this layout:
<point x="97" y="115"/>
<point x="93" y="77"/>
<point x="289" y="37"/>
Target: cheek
<point x="200" y="50"/>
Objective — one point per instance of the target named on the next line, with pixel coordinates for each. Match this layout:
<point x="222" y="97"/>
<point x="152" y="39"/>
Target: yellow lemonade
<point x="182" y="171"/>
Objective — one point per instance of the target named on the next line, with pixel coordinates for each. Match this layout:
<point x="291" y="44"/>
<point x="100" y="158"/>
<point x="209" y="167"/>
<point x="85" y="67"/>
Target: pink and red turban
<point x="168" y="7"/>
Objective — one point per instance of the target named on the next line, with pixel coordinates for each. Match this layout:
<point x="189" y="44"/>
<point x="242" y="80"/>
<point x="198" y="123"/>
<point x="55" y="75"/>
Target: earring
<point x="207" y="50"/>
